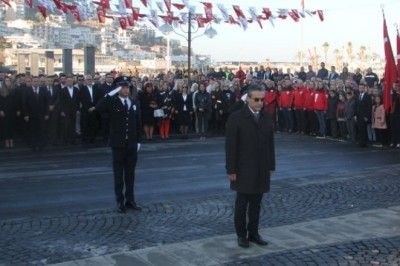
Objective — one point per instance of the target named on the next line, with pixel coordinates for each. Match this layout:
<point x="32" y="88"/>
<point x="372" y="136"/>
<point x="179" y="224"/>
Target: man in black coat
<point x="363" y="115"/>
<point x="250" y="161"/>
<point x="35" y="109"/>
<point x="90" y="96"/>
<point x="69" y="109"/>
<point x="105" y="88"/>
<point x="53" y="124"/>
<point x="125" y="139"/>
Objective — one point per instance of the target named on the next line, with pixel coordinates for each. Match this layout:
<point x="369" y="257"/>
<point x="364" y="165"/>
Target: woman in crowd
<point x="8" y="113"/>
<point x="379" y="122"/>
<point x="203" y="108"/>
<point x="183" y="110"/>
<point x="167" y="107"/>
<point x="149" y="101"/>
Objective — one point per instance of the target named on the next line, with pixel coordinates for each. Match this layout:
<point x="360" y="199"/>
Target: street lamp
<point x="210" y="32"/>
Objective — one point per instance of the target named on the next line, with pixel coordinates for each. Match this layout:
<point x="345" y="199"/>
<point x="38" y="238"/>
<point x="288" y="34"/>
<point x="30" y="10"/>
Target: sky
<point x="356" y="21"/>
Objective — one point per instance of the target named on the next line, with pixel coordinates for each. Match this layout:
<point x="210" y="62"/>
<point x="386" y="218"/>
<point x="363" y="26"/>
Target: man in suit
<point x="125" y="138"/>
<point x="69" y="109"/>
<point x="250" y="162"/>
<point x="52" y="124"/>
<point x="363" y="114"/>
<point x="35" y="109"/>
<point x="333" y="75"/>
<point x="90" y="95"/>
<point x="106" y="87"/>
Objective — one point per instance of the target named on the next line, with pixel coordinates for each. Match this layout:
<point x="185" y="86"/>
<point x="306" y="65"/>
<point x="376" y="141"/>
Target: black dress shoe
<point x="132" y="206"/>
<point x="243" y="242"/>
<point x="121" y="208"/>
<point x="258" y="240"/>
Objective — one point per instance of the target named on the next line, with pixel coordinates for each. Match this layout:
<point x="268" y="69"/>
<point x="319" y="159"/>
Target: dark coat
<point x="364" y="107"/>
<point x="250" y="151"/>
<point x="86" y="100"/>
<point x="69" y="105"/>
<point x="119" y="126"/>
<point x="179" y="103"/>
<point x="35" y="105"/>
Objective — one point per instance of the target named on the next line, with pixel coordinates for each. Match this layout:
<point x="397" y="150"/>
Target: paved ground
<point x="58" y="207"/>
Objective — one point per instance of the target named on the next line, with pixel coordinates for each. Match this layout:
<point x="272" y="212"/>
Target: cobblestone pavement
<point x="380" y="251"/>
<point x="76" y="235"/>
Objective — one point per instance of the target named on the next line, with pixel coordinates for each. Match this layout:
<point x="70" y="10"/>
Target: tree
<point x="349" y="51"/>
<point x="325" y="45"/>
<point x="337" y="55"/>
<point x="361" y="53"/>
<point x="300" y="57"/>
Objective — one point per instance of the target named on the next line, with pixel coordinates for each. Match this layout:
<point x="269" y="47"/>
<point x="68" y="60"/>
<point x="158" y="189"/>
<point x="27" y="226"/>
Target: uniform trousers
<point x="124" y="163"/>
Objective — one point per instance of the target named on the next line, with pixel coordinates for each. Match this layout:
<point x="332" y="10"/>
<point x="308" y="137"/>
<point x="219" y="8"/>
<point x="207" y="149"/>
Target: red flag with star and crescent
<point x="390" y="69"/>
<point x="398" y="55"/>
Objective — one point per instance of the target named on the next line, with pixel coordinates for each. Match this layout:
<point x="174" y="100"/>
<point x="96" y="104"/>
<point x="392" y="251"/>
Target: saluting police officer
<point x="125" y="138"/>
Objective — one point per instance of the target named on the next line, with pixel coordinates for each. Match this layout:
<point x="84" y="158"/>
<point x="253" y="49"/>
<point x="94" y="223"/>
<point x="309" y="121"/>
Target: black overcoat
<point x="250" y="151"/>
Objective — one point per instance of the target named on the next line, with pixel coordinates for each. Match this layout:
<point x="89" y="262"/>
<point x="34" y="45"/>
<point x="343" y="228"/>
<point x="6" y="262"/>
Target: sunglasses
<point x="258" y="99"/>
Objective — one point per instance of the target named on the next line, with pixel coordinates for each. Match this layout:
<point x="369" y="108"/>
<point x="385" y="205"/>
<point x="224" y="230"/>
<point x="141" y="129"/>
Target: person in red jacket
<point x="312" y="121"/>
<point x="299" y="94"/>
<point x="271" y="100"/>
<point x="240" y="75"/>
<point x="320" y="107"/>
<point x="286" y="105"/>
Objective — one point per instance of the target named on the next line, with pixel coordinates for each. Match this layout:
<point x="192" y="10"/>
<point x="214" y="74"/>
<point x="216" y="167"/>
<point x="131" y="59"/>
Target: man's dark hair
<point x="252" y="88"/>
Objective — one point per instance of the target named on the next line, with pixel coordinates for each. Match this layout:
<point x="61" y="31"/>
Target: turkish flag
<point x="76" y="15"/>
<point x="390" y="69"/>
<point x="64" y="8"/>
<point x="122" y="22"/>
<point x="7" y="2"/>
<point x="398" y="55"/>
<point x="238" y="11"/>
<point x="293" y="16"/>
<point x="144" y="2"/>
<point x="179" y="6"/>
<point x="131" y="21"/>
<point x="168" y="4"/>
<point x="101" y="14"/>
<point x="104" y="4"/>
<point x="135" y="13"/>
<point x="320" y="14"/>
<point x="267" y="13"/>
<point x="30" y="3"/>
<point x="42" y="10"/>
<point x="208" y="5"/>
<point x="128" y="3"/>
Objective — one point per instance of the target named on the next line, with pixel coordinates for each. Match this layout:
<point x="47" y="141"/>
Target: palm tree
<point x="336" y="54"/>
<point x="349" y="51"/>
<point x="300" y="57"/>
<point x="325" y="45"/>
<point x="361" y="53"/>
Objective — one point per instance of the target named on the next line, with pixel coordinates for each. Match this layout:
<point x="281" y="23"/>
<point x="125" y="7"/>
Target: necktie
<point x="49" y="91"/>
<point x="361" y="95"/>
<point x="37" y="91"/>
<point x="256" y="116"/>
<point x="126" y="105"/>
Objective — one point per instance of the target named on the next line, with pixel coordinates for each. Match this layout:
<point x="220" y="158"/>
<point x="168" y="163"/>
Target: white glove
<point x="138" y="147"/>
<point x="114" y="91"/>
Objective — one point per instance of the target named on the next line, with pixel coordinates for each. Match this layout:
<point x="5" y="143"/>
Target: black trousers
<point x="362" y="131"/>
<point x="89" y="126"/>
<point x="124" y="163"/>
<point x="36" y="127"/>
<point x="247" y="204"/>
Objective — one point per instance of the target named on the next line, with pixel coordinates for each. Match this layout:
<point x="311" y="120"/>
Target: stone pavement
<point x="302" y="219"/>
<point x="314" y="235"/>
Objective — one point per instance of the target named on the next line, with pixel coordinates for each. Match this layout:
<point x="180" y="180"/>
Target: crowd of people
<point x="60" y="109"/>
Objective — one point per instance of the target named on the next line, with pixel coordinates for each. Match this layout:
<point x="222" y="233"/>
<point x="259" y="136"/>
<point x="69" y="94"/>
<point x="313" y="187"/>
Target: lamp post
<point x="210" y="32"/>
